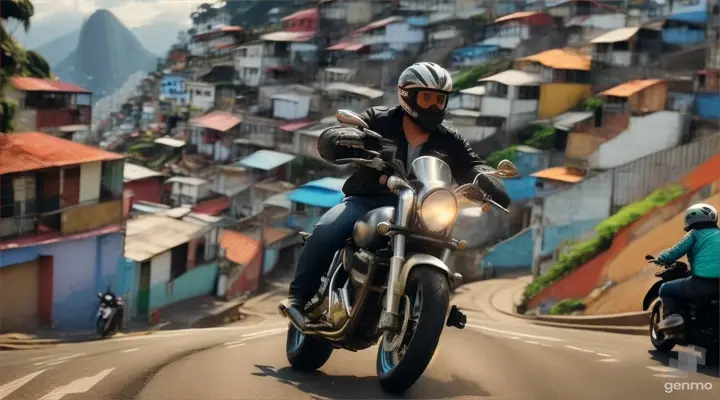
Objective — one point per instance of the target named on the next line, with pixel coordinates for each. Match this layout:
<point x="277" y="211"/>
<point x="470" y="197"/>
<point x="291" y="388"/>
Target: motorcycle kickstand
<point x="456" y="318"/>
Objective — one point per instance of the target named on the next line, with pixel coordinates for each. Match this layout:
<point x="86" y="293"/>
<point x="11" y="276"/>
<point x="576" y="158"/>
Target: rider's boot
<point x="673" y="321"/>
<point x="294" y="310"/>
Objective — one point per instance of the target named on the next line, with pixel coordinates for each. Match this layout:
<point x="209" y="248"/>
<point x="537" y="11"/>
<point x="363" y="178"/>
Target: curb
<point x="27" y="344"/>
<point x="543" y="320"/>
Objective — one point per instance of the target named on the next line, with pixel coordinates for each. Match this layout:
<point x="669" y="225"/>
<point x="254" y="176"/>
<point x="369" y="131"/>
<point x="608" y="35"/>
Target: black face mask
<point x="429" y="120"/>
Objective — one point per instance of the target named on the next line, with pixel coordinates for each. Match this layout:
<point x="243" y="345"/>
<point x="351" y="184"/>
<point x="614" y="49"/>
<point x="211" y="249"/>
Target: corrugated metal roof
<point x="29" y="151"/>
<point x="325" y="192"/>
<point x="461" y="112"/>
<point x="356" y="89"/>
<point x="306" y="13"/>
<point x="44" y="85"/>
<point x="294" y="97"/>
<point x="476" y="90"/>
<point x="239" y="248"/>
<point x="212" y="207"/>
<point x="517" y="15"/>
<point x="187" y="180"/>
<point x="513" y="77"/>
<point x="293" y="126"/>
<point x="177" y="143"/>
<point x="560" y="174"/>
<point x="379" y="24"/>
<point x="265" y="160"/>
<point x="134" y="172"/>
<point x="561" y="59"/>
<point x="284" y="36"/>
<point x="618" y="35"/>
<point x="217" y="120"/>
<point x="569" y="119"/>
<point x="149" y="235"/>
<point x="628" y="89"/>
<point x="527" y="149"/>
<point x="281" y="200"/>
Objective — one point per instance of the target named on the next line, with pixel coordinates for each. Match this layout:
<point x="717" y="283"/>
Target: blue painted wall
<point x="270" y="260"/>
<point x="521" y="188"/>
<point x="514" y="252"/>
<point x="199" y="281"/>
<point x="707" y="105"/>
<point x="528" y="163"/>
<point x="477" y="53"/>
<point x="81" y="268"/>
<point x="18" y="256"/>
<point x="683" y="36"/>
<point x="172" y="87"/>
<point x="553" y="236"/>
<point x="696" y="13"/>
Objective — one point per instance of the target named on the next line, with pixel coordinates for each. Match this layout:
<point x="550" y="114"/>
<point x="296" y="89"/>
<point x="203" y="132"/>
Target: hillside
<point x="106" y="55"/>
<point x="157" y="38"/>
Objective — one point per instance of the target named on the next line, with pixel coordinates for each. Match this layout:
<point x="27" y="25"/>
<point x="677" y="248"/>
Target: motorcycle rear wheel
<point x="306" y="353"/>
<point x="429" y="295"/>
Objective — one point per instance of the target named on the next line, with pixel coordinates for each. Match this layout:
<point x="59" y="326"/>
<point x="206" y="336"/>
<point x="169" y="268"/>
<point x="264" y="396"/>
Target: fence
<point x="601" y="195"/>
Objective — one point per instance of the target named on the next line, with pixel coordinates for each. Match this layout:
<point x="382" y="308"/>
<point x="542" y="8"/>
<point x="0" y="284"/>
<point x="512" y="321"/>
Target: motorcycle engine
<point x="336" y="312"/>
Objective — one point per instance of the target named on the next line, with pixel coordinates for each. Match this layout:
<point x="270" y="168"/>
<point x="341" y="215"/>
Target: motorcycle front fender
<point x="652" y="294"/>
<point x="419" y="259"/>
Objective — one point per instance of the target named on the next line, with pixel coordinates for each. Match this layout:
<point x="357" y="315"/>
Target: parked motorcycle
<point x="109" y="315"/>
<point x="390" y="282"/>
<point x="701" y="320"/>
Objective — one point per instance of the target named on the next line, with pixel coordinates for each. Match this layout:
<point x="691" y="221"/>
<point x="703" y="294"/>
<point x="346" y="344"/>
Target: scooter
<point x="701" y="320"/>
<point x="109" y="314"/>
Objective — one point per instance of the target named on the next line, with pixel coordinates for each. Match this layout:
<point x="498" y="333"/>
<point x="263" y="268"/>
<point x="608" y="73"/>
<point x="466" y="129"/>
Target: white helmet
<point x="700" y="213"/>
<point x="424" y="89"/>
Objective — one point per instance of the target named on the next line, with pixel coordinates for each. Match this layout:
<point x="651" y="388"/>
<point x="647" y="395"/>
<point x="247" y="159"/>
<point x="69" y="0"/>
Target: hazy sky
<point x="131" y="12"/>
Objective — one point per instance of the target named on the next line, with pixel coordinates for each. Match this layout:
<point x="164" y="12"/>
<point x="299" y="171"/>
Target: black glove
<point x="494" y="188"/>
<point x="351" y="138"/>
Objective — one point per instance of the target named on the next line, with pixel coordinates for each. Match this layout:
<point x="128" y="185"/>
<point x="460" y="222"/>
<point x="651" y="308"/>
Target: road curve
<point x="495" y="357"/>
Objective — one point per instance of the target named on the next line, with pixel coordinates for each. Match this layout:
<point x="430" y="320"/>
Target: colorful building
<point x="61" y="239"/>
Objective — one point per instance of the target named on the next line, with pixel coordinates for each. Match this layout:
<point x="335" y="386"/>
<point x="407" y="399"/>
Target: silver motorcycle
<point x="390" y="282"/>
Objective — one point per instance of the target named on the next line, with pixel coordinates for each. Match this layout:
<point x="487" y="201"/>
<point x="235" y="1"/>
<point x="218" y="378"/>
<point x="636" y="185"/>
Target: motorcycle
<point x="701" y="320"/>
<point x="109" y="314"/>
<point x="390" y="282"/>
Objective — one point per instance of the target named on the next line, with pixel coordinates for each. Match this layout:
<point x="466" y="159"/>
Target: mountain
<point x="157" y="38"/>
<point x="106" y="55"/>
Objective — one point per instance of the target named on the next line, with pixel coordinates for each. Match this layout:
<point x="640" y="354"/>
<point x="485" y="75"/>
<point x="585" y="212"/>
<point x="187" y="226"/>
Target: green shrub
<point x="543" y="137"/>
<point x="583" y="252"/>
<point x="470" y="77"/>
<point x="592" y="103"/>
<point x="567" y="306"/>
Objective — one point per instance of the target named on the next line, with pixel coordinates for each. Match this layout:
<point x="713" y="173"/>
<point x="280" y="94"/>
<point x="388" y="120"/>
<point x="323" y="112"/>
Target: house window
<point x="7" y="197"/>
<point x="528" y="92"/>
<point x="178" y="260"/>
<point x="496" y="89"/>
<point x="111" y="182"/>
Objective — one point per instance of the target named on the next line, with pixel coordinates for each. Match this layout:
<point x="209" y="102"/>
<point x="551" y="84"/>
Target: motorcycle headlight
<point x="438" y="210"/>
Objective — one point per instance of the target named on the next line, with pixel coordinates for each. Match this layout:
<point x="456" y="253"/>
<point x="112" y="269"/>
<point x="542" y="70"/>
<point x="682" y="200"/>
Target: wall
<point x="646" y="135"/>
<point x="90" y="174"/>
<point x="202" y="95"/>
<point x="707" y="105"/>
<point x="602" y="21"/>
<point x="683" y="36"/>
<point x="513" y="252"/>
<point x="198" y="281"/>
<point x="557" y="98"/>
<point x="284" y="108"/>
<point x="150" y="189"/>
<point x="244" y="279"/>
<point x="495" y="106"/>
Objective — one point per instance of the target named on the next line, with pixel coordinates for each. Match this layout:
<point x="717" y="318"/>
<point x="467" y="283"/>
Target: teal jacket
<point x="702" y="247"/>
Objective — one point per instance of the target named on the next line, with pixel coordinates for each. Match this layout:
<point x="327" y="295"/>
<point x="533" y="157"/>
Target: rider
<point x="415" y="126"/>
<point x="702" y="245"/>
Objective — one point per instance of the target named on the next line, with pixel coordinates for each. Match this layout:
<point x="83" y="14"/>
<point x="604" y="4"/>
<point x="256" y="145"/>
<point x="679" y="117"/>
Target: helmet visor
<point x="426" y="99"/>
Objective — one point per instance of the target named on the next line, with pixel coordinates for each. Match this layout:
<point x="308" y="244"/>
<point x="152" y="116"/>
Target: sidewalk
<point x="200" y="312"/>
<point x="266" y="303"/>
<point x="26" y="341"/>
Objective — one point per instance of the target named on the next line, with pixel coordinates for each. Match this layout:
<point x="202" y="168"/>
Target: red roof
<point x="44" y="85"/>
<point x="379" y="24"/>
<point x="239" y="248"/>
<point x="217" y="120"/>
<point x="212" y="207"/>
<point x="293" y="126"/>
<point x="30" y="151"/>
<point x="307" y="13"/>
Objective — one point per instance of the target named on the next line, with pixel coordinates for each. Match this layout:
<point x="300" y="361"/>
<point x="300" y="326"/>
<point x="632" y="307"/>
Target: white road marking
<point x="235" y="345"/>
<point x="603" y="355"/>
<point x="81" y="385"/>
<point x="41" y="358"/>
<point x="666" y="376"/>
<point x="608" y="360"/>
<point x="59" y="359"/>
<point x="515" y="333"/>
<point x="8" y="388"/>
<point x="129" y="350"/>
<point x="576" y="348"/>
<point x="661" y="368"/>
<point x="265" y="333"/>
<point x="55" y="363"/>
<point x="531" y="342"/>
<point x="514" y="338"/>
<point x="545" y="345"/>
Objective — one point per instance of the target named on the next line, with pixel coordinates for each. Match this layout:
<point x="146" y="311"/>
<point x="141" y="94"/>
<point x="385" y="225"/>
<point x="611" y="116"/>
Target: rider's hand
<point x="351" y="138"/>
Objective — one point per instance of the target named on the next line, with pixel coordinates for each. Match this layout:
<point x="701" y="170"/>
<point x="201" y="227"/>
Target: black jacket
<point x="387" y="121"/>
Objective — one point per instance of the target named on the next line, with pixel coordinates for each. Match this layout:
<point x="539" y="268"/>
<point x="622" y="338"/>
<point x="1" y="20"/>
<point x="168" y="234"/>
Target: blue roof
<point x="696" y="17"/>
<point x="265" y="160"/>
<point x="325" y="193"/>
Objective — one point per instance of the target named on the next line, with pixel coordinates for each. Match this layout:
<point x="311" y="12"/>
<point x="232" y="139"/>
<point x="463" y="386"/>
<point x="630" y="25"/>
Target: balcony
<point x="77" y="115"/>
<point x="68" y="220"/>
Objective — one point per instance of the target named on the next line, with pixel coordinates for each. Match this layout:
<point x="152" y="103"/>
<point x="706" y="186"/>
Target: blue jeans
<point x="675" y="294"/>
<point x="329" y="235"/>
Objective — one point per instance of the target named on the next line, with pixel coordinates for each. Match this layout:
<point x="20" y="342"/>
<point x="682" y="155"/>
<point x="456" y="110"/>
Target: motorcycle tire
<point x="434" y="304"/>
<point x="657" y="338"/>
<point x="306" y="353"/>
<point x="100" y="327"/>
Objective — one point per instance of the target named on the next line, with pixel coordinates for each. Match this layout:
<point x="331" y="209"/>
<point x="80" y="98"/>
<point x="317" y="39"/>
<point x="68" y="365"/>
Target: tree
<point x="20" y="10"/>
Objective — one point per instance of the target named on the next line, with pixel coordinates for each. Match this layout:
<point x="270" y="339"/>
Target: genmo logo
<point x="687" y="386"/>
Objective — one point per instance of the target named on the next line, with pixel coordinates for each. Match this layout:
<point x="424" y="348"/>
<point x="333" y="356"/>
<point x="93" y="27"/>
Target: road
<point x="495" y="357"/>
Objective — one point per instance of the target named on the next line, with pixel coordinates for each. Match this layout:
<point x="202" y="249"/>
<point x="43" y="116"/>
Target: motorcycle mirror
<point x="350" y="118"/>
<point x="99" y="295"/>
<point x="507" y="169"/>
<point x="649" y="257"/>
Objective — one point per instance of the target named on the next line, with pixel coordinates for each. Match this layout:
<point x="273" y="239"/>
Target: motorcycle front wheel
<point x="428" y="297"/>
<point x="100" y="327"/>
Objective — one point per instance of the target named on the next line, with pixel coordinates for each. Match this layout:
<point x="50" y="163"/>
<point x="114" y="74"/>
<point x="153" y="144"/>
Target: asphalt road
<point x="495" y="357"/>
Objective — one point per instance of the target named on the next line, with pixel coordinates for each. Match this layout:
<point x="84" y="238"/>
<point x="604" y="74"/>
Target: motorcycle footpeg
<point x="456" y="318"/>
<point x="293" y="314"/>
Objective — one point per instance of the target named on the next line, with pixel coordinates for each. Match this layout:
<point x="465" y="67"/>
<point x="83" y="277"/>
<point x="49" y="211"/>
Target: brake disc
<point x="397" y="338"/>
